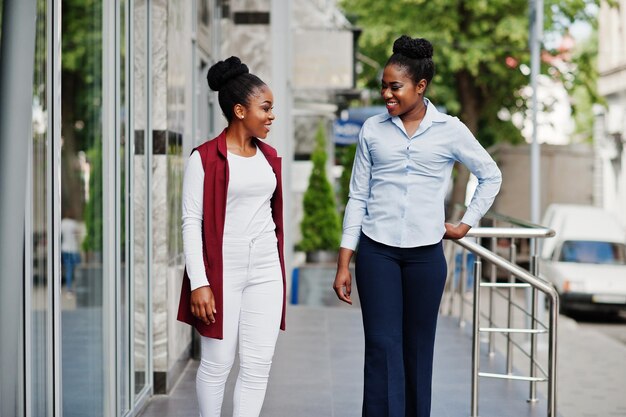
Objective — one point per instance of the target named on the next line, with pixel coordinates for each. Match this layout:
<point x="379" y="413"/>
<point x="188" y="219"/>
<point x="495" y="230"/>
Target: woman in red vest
<point x="234" y="284"/>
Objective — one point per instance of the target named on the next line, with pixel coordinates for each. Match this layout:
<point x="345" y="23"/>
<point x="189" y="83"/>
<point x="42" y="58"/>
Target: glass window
<point x="40" y="263"/>
<point x="81" y="231"/>
<point x="592" y="252"/>
<point x="124" y="375"/>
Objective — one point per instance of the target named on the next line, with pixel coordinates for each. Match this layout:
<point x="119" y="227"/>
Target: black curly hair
<point x="415" y="56"/>
<point x="234" y="84"/>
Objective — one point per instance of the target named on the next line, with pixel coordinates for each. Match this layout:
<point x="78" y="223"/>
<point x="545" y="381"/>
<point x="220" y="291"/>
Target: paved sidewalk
<point x="317" y="372"/>
<point x="591" y="372"/>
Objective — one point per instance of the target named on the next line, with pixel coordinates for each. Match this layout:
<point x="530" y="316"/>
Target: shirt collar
<point x="432" y="116"/>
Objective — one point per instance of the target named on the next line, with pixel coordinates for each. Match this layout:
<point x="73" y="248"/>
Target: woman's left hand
<point x="456" y="231"/>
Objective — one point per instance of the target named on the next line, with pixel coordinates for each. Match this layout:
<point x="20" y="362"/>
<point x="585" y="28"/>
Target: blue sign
<point x="346" y="129"/>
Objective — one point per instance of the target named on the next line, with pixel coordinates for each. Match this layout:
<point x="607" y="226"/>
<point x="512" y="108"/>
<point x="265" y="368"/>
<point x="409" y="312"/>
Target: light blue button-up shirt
<point x="399" y="182"/>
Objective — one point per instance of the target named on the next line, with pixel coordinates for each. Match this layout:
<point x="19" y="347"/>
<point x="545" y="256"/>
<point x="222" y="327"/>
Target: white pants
<point x="253" y="298"/>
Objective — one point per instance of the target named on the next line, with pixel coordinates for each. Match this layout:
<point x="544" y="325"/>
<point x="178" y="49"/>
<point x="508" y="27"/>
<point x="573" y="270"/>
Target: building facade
<point x="610" y="128"/>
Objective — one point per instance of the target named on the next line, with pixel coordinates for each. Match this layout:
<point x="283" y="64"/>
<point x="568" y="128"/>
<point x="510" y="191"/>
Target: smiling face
<point x="258" y="115"/>
<point x="402" y="96"/>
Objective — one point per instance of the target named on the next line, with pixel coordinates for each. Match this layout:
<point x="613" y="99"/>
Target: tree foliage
<point x="479" y="48"/>
<point x="81" y="113"/>
<point x="582" y="86"/>
<point x="472" y="41"/>
<point x="344" y="155"/>
<point x="320" y="225"/>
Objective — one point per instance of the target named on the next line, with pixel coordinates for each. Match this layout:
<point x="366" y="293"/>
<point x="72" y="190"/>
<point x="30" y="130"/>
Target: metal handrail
<point x="537" y="284"/>
<point x="507" y="219"/>
<point x="510" y="232"/>
<point x="493" y="215"/>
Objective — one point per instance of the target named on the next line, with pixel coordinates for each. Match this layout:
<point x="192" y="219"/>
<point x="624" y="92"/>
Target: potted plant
<point x="320" y="224"/>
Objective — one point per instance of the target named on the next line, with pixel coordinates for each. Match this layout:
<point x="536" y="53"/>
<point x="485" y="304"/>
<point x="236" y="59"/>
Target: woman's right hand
<point x="343" y="284"/>
<point x="203" y="304"/>
<point x="343" y="279"/>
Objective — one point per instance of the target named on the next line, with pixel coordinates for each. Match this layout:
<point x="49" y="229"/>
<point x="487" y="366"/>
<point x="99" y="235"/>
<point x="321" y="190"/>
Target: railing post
<point x="554" y="312"/>
<point x="534" y="267"/>
<point x="494" y="272"/>
<point x="451" y="285"/>
<point x="509" y="344"/>
<point x="476" y="337"/>
<point x="536" y="286"/>
<point x="462" y="288"/>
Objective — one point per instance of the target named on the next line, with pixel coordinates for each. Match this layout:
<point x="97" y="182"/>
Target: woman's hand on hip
<point x="203" y="304"/>
<point x="456" y="231"/>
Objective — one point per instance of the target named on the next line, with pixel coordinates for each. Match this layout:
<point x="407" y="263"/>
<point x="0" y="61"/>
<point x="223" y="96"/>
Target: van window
<point x="591" y="252"/>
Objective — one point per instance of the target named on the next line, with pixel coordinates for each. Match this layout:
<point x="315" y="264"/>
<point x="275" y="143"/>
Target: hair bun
<point x="223" y="71"/>
<point x="417" y="48"/>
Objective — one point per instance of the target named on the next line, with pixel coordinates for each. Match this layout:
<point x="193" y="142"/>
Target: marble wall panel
<point x="250" y="5"/>
<point x="139" y="64"/>
<point x="252" y="43"/>
<point x="159" y="64"/>
<point x="178" y="61"/>
<point x="138" y="280"/>
<point x="159" y="262"/>
<point x="172" y="68"/>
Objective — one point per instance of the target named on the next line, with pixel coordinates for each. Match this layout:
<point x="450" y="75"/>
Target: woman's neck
<point x="237" y="140"/>
<point x="415" y="115"/>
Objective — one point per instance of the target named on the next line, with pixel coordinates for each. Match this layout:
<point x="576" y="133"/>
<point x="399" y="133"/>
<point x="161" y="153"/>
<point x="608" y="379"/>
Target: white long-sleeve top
<point x="251" y="185"/>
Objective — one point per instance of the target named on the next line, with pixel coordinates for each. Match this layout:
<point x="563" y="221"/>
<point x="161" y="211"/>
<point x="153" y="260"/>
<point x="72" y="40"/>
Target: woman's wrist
<point x="343" y="260"/>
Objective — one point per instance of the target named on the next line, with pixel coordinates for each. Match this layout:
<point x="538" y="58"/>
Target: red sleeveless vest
<point x="214" y="160"/>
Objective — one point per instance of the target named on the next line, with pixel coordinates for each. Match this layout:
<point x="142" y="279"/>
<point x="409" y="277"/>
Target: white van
<point x="586" y="260"/>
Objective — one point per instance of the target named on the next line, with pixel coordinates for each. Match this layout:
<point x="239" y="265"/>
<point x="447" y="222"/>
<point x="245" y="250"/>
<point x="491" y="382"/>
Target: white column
<point x="17" y="57"/>
<point x="282" y="133"/>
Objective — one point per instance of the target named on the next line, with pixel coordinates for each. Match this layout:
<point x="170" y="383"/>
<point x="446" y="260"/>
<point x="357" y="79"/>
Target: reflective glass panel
<point x="40" y="312"/>
<point x="81" y="229"/>
<point x="123" y="295"/>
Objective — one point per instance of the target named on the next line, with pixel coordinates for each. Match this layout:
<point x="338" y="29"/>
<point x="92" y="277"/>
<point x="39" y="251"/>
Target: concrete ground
<point x="317" y="372"/>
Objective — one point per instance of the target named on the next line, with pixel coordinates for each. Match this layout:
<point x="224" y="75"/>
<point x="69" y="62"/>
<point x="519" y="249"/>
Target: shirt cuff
<point x="195" y="284"/>
<point x="349" y="242"/>
<point x="471" y="218"/>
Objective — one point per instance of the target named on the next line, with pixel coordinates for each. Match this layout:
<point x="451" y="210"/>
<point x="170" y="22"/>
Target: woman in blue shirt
<point x="395" y="213"/>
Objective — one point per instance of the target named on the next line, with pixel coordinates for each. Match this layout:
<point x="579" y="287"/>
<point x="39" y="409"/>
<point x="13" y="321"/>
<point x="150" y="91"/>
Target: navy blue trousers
<point x="400" y="291"/>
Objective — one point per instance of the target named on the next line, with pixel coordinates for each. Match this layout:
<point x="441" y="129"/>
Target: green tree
<point x="320" y="225"/>
<point x="345" y="157"/>
<point x="582" y="86"/>
<point x="81" y="95"/>
<point x="81" y="114"/>
<point x="93" y="208"/>
<point x="473" y="40"/>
